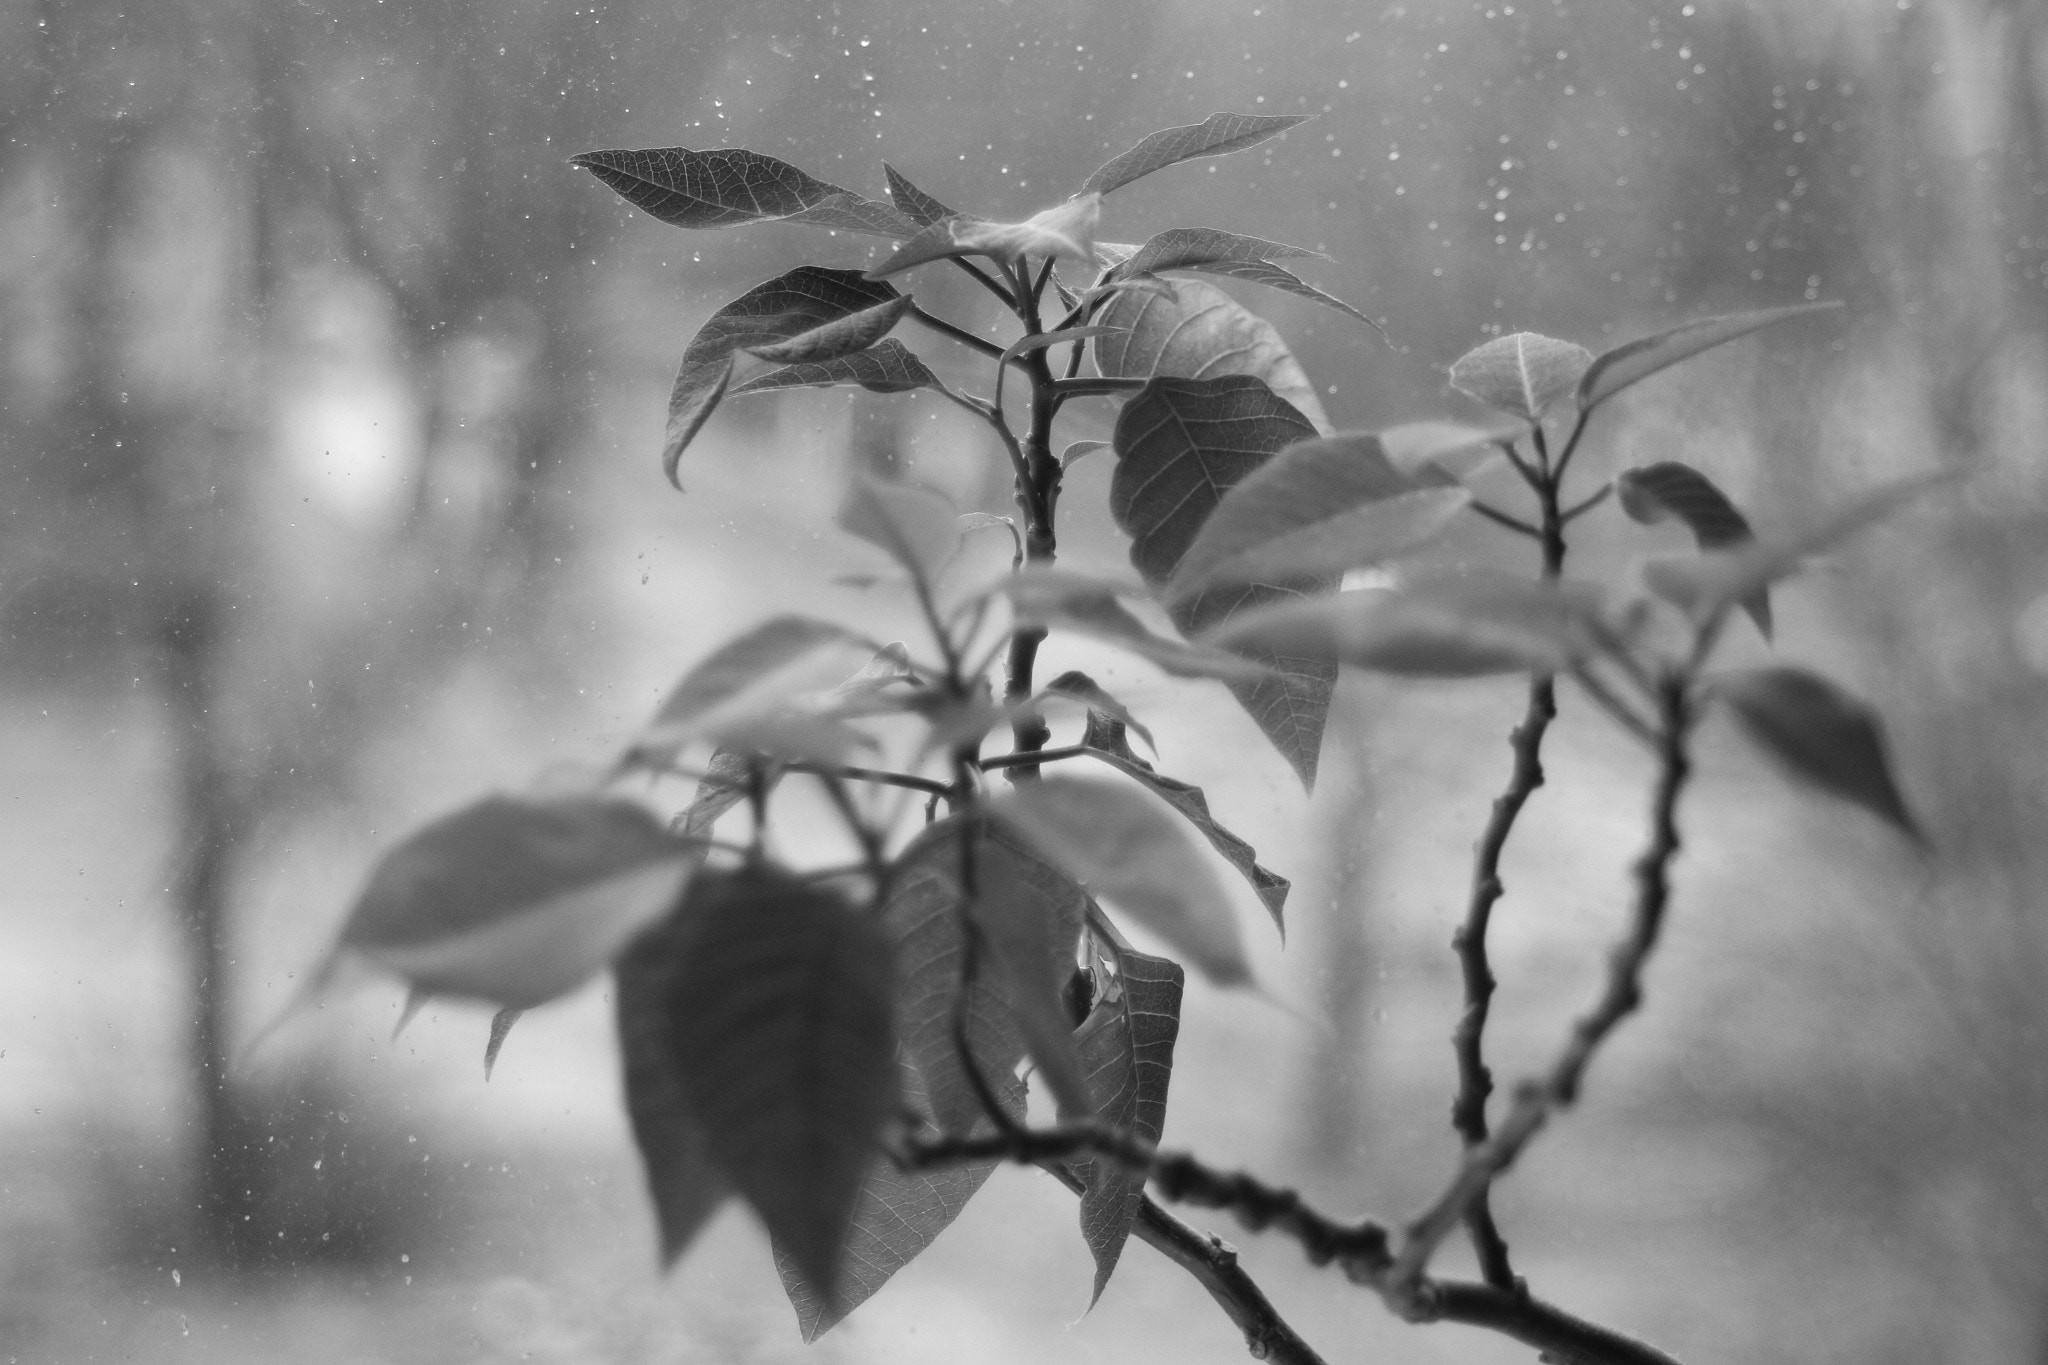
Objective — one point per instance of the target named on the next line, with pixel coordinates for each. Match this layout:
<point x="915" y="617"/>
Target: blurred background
<point x="330" y="404"/>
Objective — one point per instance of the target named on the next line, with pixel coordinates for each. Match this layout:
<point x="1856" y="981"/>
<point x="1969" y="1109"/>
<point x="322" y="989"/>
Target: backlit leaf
<point x="1181" y="445"/>
<point x="1126" y="1045"/>
<point x="1452" y="449"/>
<point x="1074" y="452"/>
<point x="918" y="528"/>
<point x="1215" y="135"/>
<point x="1188" y="329"/>
<point x="886" y="367"/>
<point x="726" y="186"/>
<point x="1821" y="734"/>
<point x="915" y="204"/>
<point x="1659" y="492"/>
<point x="840" y="337"/>
<point x="1128" y="849"/>
<point x="781" y="1019"/>
<point x="787" y="306"/>
<point x="752" y="675"/>
<point x="723" y="786"/>
<point x="517" y="900"/>
<point x="1213" y="252"/>
<point x="1089" y="693"/>
<point x="1063" y="232"/>
<point x="1523" y="373"/>
<point x="1634" y="360"/>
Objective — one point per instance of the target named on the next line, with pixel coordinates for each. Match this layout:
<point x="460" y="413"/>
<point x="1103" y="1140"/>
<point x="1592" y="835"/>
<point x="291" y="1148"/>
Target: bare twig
<point x="1507" y="519"/>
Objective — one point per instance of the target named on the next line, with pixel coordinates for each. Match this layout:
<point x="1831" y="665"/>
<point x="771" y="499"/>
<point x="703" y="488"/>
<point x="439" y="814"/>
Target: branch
<point x="959" y="334"/>
<point x="929" y="785"/>
<point x="1537" y="1098"/>
<point x="1513" y="523"/>
<point x="1560" y="1336"/>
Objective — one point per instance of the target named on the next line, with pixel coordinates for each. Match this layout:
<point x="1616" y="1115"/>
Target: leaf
<point x="916" y="527"/>
<point x="1317" y="508"/>
<point x="723" y="786"/>
<point x="1216" y="135"/>
<point x="898" y="1215"/>
<point x="1029" y="914"/>
<point x="753" y="674"/>
<point x="1634" y="360"/>
<point x="840" y="337"/>
<point x="1821" y="735"/>
<point x="1454" y="627"/>
<point x="1659" y="492"/>
<point x="787" y="306"/>
<point x="1226" y="253"/>
<point x="1192" y="330"/>
<point x="886" y="367"/>
<point x="1074" y="452"/>
<point x="501" y="1028"/>
<point x="781" y="1019"/>
<point x="517" y="900"/>
<point x="1084" y="689"/>
<point x="1062" y="232"/>
<point x="1109" y="746"/>
<point x="1126" y="1045"/>
<point x="1125" y="848"/>
<point x="1087" y="605"/>
<point x="1181" y="445"/>
<point x="685" y="1184"/>
<point x="1523" y="373"/>
<point x="1708" y="584"/>
<point x="1453" y="450"/>
<point x="726" y="186"/>
<point x="916" y="205"/>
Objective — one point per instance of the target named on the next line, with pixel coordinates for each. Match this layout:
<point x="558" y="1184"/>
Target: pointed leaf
<point x="918" y="528"/>
<point x="1658" y="492"/>
<point x="1458" y="627"/>
<point x="1523" y="373"/>
<point x="1126" y="1044"/>
<point x="1319" y="507"/>
<point x="1108" y="744"/>
<point x="1226" y="253"/>
<point x="1062" y="232"/>
<point x="782" y="1023"/>
<point x="1084" y="689"/>
<point x="919" y="207"/>
<point x="1634" y="360"/>
<point x="787" y="306"/>
<point x="1128" y="849"/>
<point x="728" y="185"/>
<point x="1188" y="329"/>
<point x="723" y="786"/>
<point x="501" y="1027"/>
<point x="685" y="1184"/>
<point x="749" y="677"/>
<point x="1821" y="734"/>
<point x="1215" y="135"/>
<point x="886" y="367"/>
<point x="518" y="900"/>
<point x="1181" y="445"/>
<point x="840" y="337"/>
<point x="1074" y="452"/>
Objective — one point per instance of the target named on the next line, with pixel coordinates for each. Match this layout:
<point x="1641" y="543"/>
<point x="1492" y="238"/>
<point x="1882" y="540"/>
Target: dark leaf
<point x="685" y="1184"/>
<point x="1821" y="734"/>
<point x="916" y="205"/>
<point x="1187" y="329"/>
<point x="1108" y="741"/>
<point x="1634" y="360"/>
<point x="1126" y="1044"/>
<point x="886" y="367"/>
<point x="1523" y="373"/>
<point x="781" y="1021"/>
<point x="1084" y="689"/>
<point x="788" y="306"/>
<point x="501" y="1026"/>
<point x="1658" y="492"/>
<point x="1226" y="253"/>
<point x="840" y="337"/>
<point x="518" y="900"/>
<point x="726" y="186"/>
<point x="1128" y="849"/>
<point x="1215" y="135"/>
<point x="1181" y="445"/>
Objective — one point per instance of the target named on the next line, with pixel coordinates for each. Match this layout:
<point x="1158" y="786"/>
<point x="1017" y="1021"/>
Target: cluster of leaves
<point x="811" y="1039"/>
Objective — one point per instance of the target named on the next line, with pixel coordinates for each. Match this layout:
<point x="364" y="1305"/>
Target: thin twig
<point x="1580" y="509"/>
<point x="1611" y="702"/>
<point x="959" y="334"/>
<point x="1507" y="519"/>
<point x="1036" y="757"/>
<point x="929" y="785"/>
<point x="987" y="282"/>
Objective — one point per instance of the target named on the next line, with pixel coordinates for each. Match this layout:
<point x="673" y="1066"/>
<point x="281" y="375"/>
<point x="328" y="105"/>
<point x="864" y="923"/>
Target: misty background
<point x="330" y="408"/>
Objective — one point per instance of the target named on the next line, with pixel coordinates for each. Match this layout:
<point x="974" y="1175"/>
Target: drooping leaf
<point x="898" y="1215"/>
<point x="1215" y="135"/>
<point x="501" y="1028"/>
<point x="1659" y="492"/>
<point x="1523" y="373"/>
<point x="749" y="677"/>
<point x="888" y="366"/>
<point x="787" y="306"/>
<point x="1029" y="914"/>
<point x="1105" y="737"/>
<point x="1128" y="849"/>
<point x="1181" y="445"/>
<point x="915" y="204"/>
<point x="1084" y="689"/>
<point x="1453" y="450"/>
<point x="918" y="528"/>
<point x="723" y="786"/>
<point x="517" y="900"/>
<point x="1317" y="508"/>
<point x="1709" y="583"/>
<point x="1074" y="452"/>
<point x="1063" y="232"/>
<point x="1634" y="360"/>
<point x="726" y="186"/>
<point x="781" y="1019"/>
<point x="1821" y="734"/>
<point x="1188" y="329"/>
<point x="685" y="1184"/>
<point x="1063" y="599"/>
<point x="1126" y="1044"/>
<point x="1213" y="252"/>
<point x="1453" y="627"/>
<point x="840" y="337"/>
